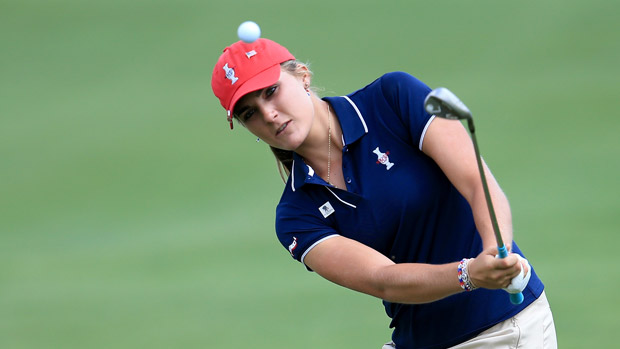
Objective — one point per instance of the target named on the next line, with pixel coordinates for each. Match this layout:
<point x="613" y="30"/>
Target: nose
<point x="269" y="112"/>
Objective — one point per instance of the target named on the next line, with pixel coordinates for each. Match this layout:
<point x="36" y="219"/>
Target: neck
<point x="317" y="148"/>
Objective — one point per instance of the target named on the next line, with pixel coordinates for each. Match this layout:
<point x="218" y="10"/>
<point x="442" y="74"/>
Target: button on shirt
<point x="399" y="202"/>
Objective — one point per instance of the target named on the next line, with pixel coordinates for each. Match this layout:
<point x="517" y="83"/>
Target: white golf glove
<point x="520" y="281"/>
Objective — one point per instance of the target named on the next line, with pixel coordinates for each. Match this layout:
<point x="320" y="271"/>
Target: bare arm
<point x="353" y="265"/>
<point x="449" y="145"/>
<point x="356" y="266"/>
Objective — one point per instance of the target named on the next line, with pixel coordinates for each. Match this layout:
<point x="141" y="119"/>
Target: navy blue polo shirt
<point x="399" y="202"/>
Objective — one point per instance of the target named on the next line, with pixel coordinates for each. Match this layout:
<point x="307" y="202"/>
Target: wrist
<point x="463" y="275"/>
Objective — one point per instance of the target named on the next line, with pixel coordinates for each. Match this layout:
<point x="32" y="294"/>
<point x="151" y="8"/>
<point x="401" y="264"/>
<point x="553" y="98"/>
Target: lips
<point x="282" y="128"/>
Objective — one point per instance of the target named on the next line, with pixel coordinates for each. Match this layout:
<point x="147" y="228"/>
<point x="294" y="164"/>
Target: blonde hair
<point x="284" y="158"/>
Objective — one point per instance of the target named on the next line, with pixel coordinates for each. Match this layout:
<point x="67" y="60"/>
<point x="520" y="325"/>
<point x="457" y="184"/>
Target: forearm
<point x="415" y="283"/>
<point x="358" y="267"/>
<point x="449" y="145"/>
<point x="502" y="212"/>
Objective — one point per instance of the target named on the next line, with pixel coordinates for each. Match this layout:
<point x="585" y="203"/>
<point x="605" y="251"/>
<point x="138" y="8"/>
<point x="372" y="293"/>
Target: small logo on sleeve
<point x="292" y="246"/>
<point x="326" y="209"/>
<point x="383" y="158"/>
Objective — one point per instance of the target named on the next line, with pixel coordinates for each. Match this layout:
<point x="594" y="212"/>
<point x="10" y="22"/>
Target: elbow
<point x="391" y="285"/>
<point x="413" y="284"/>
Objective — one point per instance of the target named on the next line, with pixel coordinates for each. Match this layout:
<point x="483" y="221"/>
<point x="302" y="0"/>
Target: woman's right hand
<point x="488" y="271"/>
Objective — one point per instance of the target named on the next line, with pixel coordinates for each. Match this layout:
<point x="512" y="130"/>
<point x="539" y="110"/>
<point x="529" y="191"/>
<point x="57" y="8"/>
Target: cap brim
<point x="261" y="80"/>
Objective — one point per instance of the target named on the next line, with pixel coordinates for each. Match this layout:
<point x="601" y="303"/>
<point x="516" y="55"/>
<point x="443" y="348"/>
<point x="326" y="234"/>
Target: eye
<point x="247" y="115"/>
<point x="269" y="91"/>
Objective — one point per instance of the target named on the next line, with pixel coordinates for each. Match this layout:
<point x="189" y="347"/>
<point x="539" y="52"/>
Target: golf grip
<point x="515" y="298"/>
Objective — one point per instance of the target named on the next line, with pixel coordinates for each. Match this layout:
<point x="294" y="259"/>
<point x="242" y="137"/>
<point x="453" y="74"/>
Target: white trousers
<point x="533" y="327"/>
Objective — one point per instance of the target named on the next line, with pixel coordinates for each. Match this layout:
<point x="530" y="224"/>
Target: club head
<point x="445" y="104"/>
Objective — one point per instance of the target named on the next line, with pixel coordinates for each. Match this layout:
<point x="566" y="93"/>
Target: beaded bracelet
<point x="464" y="280"/>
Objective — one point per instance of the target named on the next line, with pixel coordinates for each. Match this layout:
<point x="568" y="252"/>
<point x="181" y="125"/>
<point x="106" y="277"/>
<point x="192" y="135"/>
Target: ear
<point x="304" y="73"/>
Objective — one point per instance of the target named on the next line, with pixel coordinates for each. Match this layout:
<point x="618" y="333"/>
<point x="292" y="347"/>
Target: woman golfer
<point x="385" y="199"/>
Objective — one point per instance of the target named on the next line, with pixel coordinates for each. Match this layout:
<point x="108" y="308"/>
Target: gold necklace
<point x="329" y="144"/>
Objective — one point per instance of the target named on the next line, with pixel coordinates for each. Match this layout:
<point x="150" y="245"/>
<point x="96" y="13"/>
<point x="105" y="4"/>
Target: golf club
<point x="443" y="103"/>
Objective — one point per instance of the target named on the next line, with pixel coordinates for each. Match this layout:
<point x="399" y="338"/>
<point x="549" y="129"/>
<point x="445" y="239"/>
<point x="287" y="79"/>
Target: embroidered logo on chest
<point x="327" y="209"/>
<point x="383" y="158"/>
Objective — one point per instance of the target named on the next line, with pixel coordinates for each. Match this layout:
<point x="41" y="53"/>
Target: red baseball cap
<point x="244" y="68"/>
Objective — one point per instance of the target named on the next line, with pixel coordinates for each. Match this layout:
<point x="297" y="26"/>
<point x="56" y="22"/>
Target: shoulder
<point x="395" y="101"/>
<point x="302" y="221"/>
<point x="395" y="88"/>
<point x="401" y="83"/>
<point x="299" y="201"/>
<point x="395" y="80"/>
<point x="397" y="76"/>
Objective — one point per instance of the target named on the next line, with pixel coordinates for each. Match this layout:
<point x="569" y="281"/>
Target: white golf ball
<point x="248" y="32"/>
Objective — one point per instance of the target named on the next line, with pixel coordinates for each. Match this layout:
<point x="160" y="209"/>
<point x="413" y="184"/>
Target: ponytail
<point x="284" y="161"/>
<point x="284" y="158"/>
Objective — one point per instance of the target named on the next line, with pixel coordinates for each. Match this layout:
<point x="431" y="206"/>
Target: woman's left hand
<point x="520" y="281"/>
<point x="494" y="273"/>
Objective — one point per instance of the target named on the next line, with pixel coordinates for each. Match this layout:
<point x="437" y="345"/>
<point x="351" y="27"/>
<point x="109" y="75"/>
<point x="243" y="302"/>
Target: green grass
<point x="130" y="216"/>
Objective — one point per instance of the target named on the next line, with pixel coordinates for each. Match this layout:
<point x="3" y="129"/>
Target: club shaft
<point x="515" y="298"/>
<point x="485" y="187"/>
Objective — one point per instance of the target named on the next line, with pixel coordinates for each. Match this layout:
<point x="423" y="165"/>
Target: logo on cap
<point x="230" y="74"/>
<point x="247" y="67"/>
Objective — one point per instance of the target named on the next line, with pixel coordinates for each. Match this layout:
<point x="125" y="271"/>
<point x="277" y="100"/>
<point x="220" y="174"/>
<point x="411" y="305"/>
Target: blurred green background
<point x="132" y="217"/>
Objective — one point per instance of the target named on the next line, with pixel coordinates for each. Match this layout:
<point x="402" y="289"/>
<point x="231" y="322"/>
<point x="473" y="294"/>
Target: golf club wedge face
<point x="445" y="104"/>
